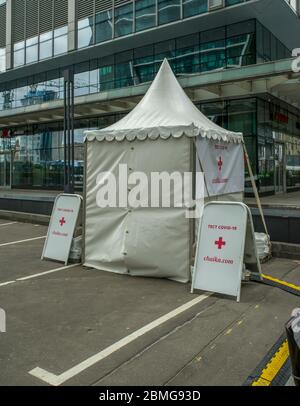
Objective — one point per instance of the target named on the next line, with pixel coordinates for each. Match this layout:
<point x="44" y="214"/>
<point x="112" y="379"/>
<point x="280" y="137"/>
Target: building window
<point x="194" y="7"/>
<point x="32" y="50"/>
<point x="168" y="11"/>
<point x="124" y="20"/>
<point x="145" y="14"/>
<point x="212" y="50"/>
<point x="187" y="54"/>
<point x="106" y="77"/>
<point x="19" y="54"/>
<point x="240" y="50"/>
<point x="143" y="64"/>
<point x="41" y="47"/>
<point x="46" y="45"/>
<point x="2" y="60"/>
<point x="104" y="28"/>
<point x="61" y="40"/>
<point x="242" y="116"/>
<point x="233" y="2"/>
<point x="85" y="32"/>
<point x="82" y="83"/>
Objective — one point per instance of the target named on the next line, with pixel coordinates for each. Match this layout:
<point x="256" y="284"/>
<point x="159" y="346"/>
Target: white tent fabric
<point x="223" y="165"/>
<point x="144" y="241"/>
<point x="157" y="136"/>
<point x="155" y="117"/>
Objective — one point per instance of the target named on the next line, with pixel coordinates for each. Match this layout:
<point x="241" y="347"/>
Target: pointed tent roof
<point x="164" y="111"/>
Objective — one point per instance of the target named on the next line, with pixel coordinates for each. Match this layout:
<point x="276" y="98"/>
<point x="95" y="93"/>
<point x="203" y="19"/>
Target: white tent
<point x="158" y="135"/>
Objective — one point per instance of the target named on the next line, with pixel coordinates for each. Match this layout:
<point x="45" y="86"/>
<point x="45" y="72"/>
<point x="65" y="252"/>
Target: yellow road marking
<point x="261" y="382"/>
<point x="290" y="285"/>
<point x="273" y="367"/>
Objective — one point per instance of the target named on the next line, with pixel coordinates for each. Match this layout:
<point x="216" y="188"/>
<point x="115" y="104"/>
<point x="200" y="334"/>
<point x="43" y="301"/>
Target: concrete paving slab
<point x="279" y="267"/>
<point x="165" y="359"/>
<point x="293" y="277"/>
<point x="20" y="231"/>
<point x="64" y="318"/>
<point x="23" y="260"/>
<point x="236" y="353"/>
<point x="59" y="320"/>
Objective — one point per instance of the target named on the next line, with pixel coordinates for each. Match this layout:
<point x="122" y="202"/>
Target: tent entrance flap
<point x="149" y="241"/>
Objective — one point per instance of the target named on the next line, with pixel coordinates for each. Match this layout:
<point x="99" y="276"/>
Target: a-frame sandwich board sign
<point x="226" y="241"/>
<point x="62" y="227"/>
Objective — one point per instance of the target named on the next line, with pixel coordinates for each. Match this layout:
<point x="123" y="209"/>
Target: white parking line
<point x="8" y="224"/>
<point x="21" y="241"/>
<point x="36" y="275"/>
<point x="47" y="272"/>
<point x="56" y="380"/>
<point x="7" y="283"/>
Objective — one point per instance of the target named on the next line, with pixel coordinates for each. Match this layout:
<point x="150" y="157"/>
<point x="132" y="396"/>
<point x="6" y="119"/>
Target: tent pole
<point x="256" y="193"/>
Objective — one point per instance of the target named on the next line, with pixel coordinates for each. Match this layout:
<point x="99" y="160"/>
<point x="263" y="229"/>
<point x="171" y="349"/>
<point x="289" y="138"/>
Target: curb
<point x="25" y="217"/>
<point x="285" y="250"/>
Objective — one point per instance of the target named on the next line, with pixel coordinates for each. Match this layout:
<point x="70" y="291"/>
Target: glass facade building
<point x="271" y="131"/>
<point x="224" y="47"/>
<point x="31" y="154"/>
<point x="139" y="15"/>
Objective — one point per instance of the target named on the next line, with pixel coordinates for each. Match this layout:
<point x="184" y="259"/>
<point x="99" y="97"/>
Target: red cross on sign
<point x="62" y="221"/>
<point x="220" y="163"/>
<point x="220" y="243"/>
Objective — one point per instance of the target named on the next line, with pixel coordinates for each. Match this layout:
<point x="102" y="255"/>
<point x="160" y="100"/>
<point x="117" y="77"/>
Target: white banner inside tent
<point x="223" y="165"/>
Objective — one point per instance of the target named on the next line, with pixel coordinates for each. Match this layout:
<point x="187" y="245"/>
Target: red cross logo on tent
<point x="62" y="221"/>
<point x="220" y="163"/>
<point x="220" y="243"/>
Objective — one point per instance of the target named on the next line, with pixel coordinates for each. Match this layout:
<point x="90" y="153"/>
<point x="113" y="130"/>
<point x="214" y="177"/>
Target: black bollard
<point x="293" y="336"/>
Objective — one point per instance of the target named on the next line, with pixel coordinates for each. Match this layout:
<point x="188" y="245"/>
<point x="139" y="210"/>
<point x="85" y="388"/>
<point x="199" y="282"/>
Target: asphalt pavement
<point x="79" y="326"/>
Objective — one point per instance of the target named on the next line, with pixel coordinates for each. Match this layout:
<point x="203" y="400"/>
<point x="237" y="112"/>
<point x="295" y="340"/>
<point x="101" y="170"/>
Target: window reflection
<point x="124" y="20"/>
<point x="32" y="50"/>
<point x="60" y="41"/>
<point x="145" y="14"/>
<point x="103" y="27"/>
<point x="19" y="53"/>
<point x="2" y="60"/>
<point x="94" y="80"/>
<point x="230" y="46"/>
<point x="46" y="45"/>
<point x="41" y="47"/>
<point x="194" y="7"/>
<point x="81" y="83"/>
<point x="38" y="159"/>
<point x="85" y="32"/>
<point x="46" y="49"/>
<point x="106" y="77"/>
<point x="168" y="11"/>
